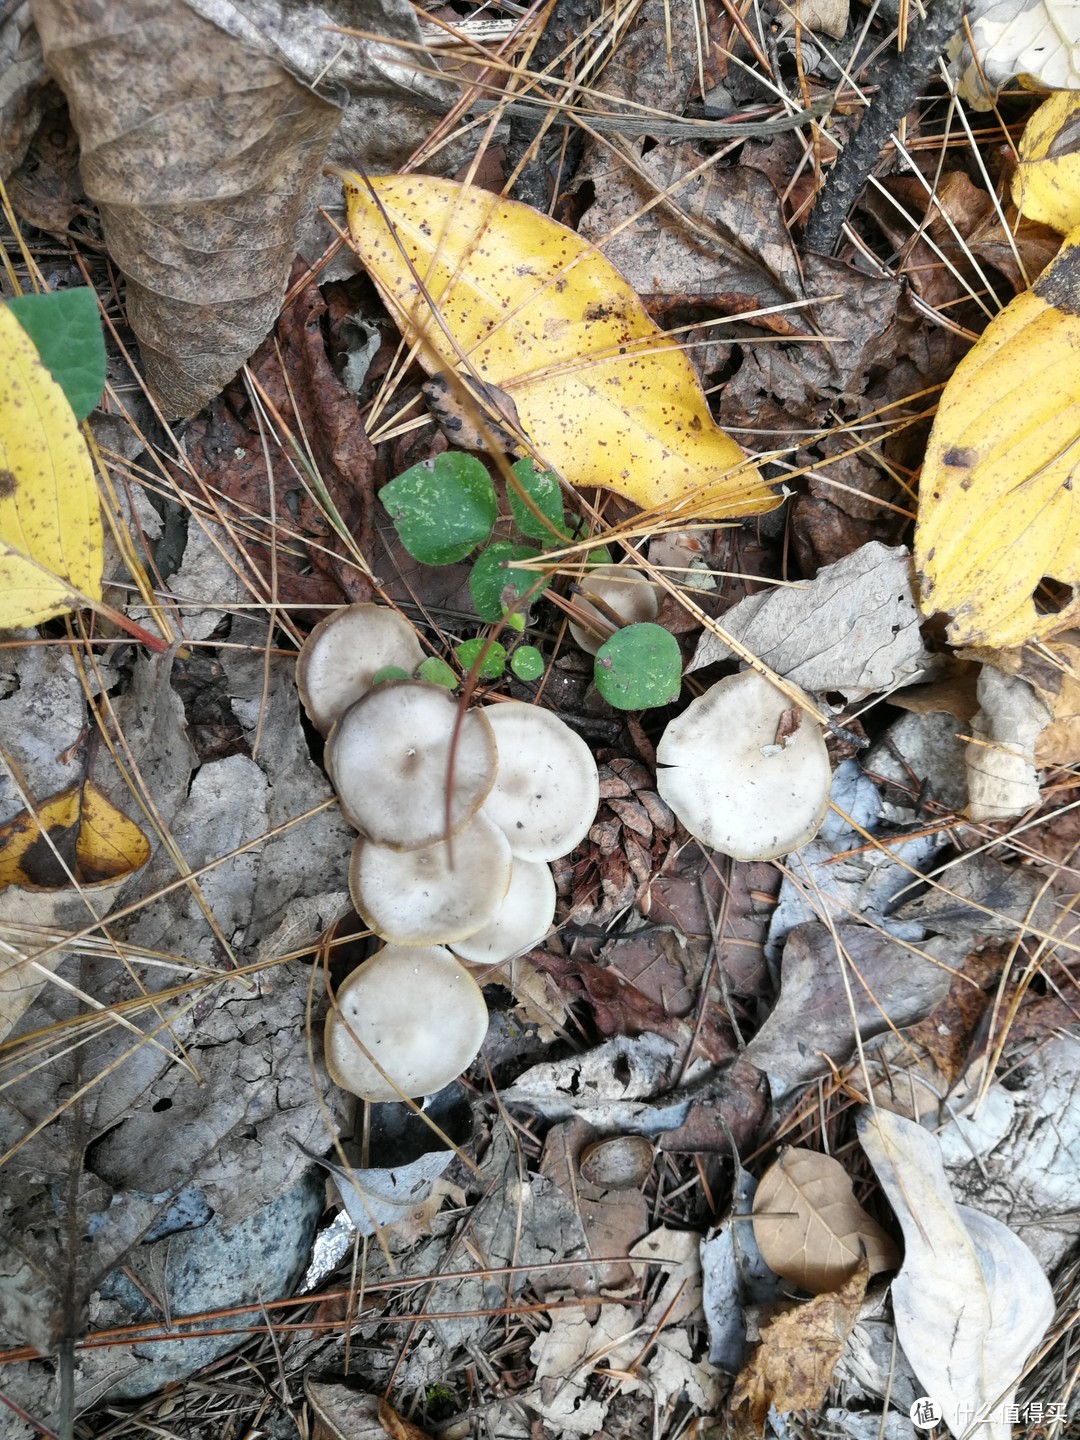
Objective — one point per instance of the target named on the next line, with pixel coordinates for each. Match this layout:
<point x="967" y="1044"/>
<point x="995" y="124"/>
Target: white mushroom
<point x="522" y="920"/>
<point x="341" y="656"/>
<point x="418" y="1013"/>
<point x="434" y="895"/>
<point x="546" y="791"/>
<point x="626" y="591"/>
<point x="745" y="770"/>
<point x="388" y="757"/>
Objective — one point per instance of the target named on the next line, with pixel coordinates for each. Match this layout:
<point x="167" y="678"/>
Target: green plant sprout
<point x="445" y="508"/>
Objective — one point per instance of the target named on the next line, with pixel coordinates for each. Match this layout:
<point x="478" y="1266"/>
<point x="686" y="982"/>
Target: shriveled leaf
<point x="199" y="162"/>
<point x="50" y="524"/>
<point x="1036" y="38"/>
<point x="605" y="397"/>
<point x="997" y="545"/>
<point x="97" y="842"/>
<point x="1046" y="185"/>
<point x="810" y="1228"/>
<point x="66" y="329"/>
<point x="793" y="1365"/>
<point x="1001" y="776"/>
<point x="442" y="508"/>
<point x="971" y="1301"/>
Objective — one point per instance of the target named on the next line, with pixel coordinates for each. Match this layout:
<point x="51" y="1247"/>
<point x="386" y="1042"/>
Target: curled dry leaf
<point x="810" y="1228"/>
<point x="199" y="163"/>
<point x="1000" y="761"/>
<point x="605" y="396"/>
<point x="971" y="1301"/>
<point x="997" y="546"/>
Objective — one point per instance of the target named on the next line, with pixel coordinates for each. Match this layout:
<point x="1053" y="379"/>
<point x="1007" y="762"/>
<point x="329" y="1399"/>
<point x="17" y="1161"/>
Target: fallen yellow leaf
<point x="50" y="524"/>
<point x="603" y="394"/>
<point x="1046" y="184"/>
<point x="998" y="535"/>
<point x="97" y="842"/>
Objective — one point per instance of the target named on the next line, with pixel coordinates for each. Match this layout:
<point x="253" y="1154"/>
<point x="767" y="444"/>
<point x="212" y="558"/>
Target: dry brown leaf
<point x="810" y="1228"/>
<point x="86" y="833"/>
<point x="396" y="1427"/>
<point x="200" y="162"/>
<point x="793" y="1365"/>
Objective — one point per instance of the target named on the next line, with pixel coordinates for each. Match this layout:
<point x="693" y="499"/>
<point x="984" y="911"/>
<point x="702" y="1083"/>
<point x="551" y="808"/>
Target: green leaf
<point x="66" y="329"/>
<point x="390" y="672"/>
<point x="494" y="662"/>
<point x="436" y="672"/>
<point x="638" y="667"/>
<point x="527" y="663"/>
<point x="443" y="508"/>
<point x="495" y="589"/>
<point x="542" y="488"/>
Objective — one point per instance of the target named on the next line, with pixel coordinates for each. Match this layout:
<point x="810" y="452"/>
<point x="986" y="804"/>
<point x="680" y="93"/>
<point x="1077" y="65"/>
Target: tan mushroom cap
<point x="388" y="757"/>
<point x="418" y="1012"/>
<point x="341" y="656"/>
<point x="732" y="783"/>
<point x="547" y="789"/>
<point x="629" y="593"/>
<point x="434" y="895"/>
<point x="521" y="921"/>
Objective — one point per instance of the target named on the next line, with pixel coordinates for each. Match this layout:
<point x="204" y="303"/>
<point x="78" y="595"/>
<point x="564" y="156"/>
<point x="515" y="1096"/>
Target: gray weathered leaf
<point x="855" y="628"/>
<point x="970" y="1301"/>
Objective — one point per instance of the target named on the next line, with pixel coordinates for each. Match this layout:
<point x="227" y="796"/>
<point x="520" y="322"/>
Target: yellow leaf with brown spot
<point x="50" y="524"/>
<point x="95" y="841"/>
<point x="1046" y="184"/>
<point x="997" y="545"/>
<point x="526" y="305"/>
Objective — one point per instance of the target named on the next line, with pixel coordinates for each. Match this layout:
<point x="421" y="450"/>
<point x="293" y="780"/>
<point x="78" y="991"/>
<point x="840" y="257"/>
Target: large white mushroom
<point x="437" y="894"/>
<point x="521" y="921"/>
<point x="417" y="1012"/>
<point x="389" y="758"/>
<point x="342" y="655"/>
<point x="547" y="789"/>
<point x="624" y="589"/>
<point x="745" y="769"/>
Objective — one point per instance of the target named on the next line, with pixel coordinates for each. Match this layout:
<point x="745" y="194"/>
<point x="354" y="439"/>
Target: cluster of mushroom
<point x="459" y="816"/>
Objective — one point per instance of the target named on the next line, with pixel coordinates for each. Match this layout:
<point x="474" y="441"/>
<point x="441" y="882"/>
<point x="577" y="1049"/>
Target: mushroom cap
<point x="628" y="592"/>
<point x="341" y="656"/>
<point x="521" y="921"/>
<point x="547" y="789"/>
<point x="420" y="1014"/>
<point x="731" y="783"/>
<point x="434" y="895"/>
<point x="388" y="758"/>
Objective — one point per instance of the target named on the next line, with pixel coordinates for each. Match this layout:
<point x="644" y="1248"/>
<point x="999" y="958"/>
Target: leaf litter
<point x="164" y="1086"/>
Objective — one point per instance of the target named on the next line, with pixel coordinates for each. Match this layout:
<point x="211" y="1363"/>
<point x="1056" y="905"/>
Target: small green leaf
<point x="495" y="589"/>
<point x="542" y="488"/>
<point x="442" y="508"/>
<point x="390" y="672"/>
<point x="527" y="663"/>
<point x="602" y="556"/>
<point x="515" y="620"/>
<point x="638" y="667"/>
<point x="494" y="662"/>
<point x="66" y="328"/>
<point x="436" y="672"/>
